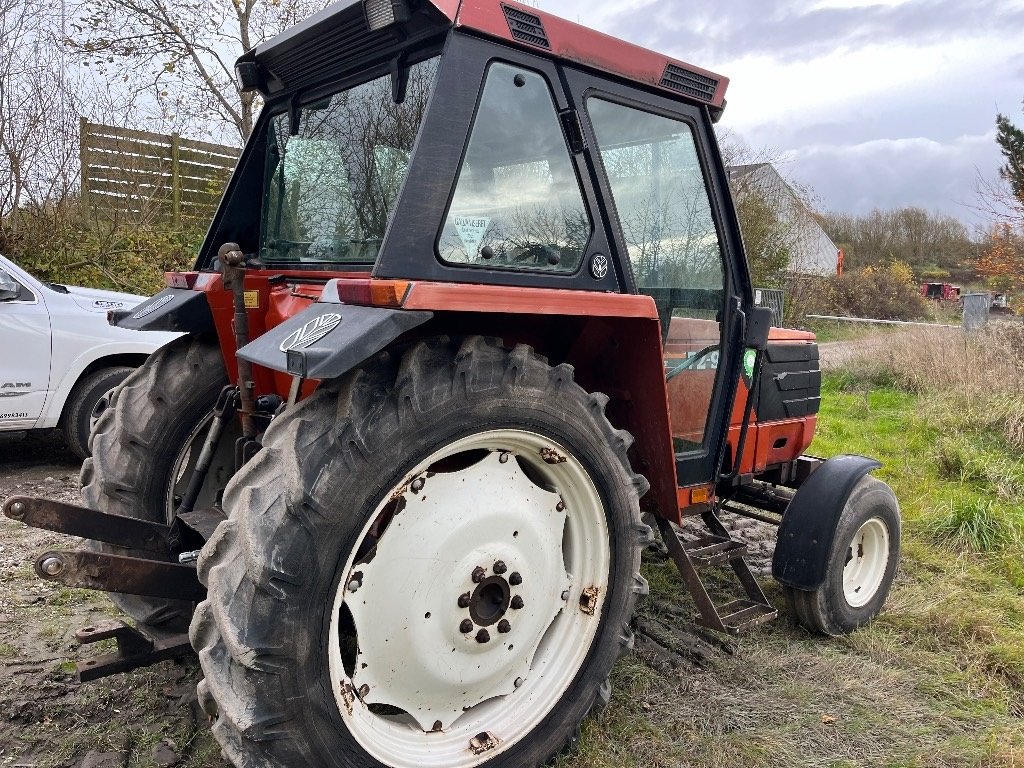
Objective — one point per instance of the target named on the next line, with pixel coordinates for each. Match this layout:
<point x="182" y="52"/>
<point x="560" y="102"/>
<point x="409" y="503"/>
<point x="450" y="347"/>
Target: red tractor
<point x="473" y="316"/>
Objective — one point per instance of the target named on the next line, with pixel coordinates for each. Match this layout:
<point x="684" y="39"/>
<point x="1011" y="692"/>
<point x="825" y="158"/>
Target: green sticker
<point x="748" y="362"/>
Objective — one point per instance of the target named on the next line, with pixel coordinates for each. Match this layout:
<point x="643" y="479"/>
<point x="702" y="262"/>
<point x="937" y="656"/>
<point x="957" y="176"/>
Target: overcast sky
<point x="873" y="104"/>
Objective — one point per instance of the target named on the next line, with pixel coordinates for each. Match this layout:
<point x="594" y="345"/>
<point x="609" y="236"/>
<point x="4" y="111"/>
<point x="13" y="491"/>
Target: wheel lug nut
<point x="504" y="626"/>
<point x="483" y="636"/>
<point x="499" y="567"/>
<point x="466" y="626"/>
<point x="354" y="585"/>
<point x="518" y="682"/>
<point x="560" y="506"/>
<point x="464" y="600"/>
<point x="515" y="578"/>
<point x="503" y="457"/>
<point x="517" y="602"/>
<point x="565" y="595"/>
<point x="417" y="485"/>
<point x="478" y="574"/>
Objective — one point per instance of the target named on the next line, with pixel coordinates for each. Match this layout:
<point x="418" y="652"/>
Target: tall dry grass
<point x="976" y="379"/>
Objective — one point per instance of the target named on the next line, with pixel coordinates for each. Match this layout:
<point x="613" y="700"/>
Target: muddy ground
<point x="145" y="718"/>
<point x="150" y="717"/>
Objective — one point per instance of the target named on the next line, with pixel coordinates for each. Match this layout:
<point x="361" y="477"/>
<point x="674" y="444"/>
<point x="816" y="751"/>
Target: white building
<point x="813" y="252"/>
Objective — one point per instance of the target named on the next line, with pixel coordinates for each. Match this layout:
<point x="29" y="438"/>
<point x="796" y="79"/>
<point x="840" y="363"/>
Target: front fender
<point x="809" y="525"/>
<point x="327" y="340"/>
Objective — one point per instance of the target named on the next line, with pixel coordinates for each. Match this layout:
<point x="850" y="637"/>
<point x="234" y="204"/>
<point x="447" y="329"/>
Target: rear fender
<point x="326" y="340"/>
<point x="613" y="342"/>
<point x="173" y="309"/>
<point x="809" y="525"/>
<point x="620" y="357"/>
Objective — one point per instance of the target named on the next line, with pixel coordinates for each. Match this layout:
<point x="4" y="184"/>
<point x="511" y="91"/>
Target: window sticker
<point x="471" y="231"/>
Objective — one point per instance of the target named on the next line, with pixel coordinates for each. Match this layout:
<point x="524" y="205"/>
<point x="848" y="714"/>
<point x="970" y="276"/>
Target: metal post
<point x="976" y="306"/>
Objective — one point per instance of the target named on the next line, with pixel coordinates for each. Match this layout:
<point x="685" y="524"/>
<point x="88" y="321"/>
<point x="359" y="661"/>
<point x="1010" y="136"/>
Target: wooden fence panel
<point x="133" y="172"/>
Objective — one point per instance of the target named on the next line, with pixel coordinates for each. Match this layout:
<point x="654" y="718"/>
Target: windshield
<point x="331" y="187"/>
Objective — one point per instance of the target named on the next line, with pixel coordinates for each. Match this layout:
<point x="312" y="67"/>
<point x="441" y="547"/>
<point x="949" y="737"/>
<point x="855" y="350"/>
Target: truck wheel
<point x="433" y="561"/>
<point x="143" y="444"/>
<point x="76" y="420"/>
<point x="861" y="566"/>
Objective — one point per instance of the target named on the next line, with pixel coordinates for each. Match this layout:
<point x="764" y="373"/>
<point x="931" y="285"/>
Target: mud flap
<point x="326" y="340"/>
<point x="809" y="524"/>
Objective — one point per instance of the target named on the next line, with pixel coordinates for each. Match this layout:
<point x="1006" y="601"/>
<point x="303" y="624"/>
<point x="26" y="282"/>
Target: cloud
<point x="791" y="30"/>
<point x="878" y="103"/>
<point x="889" y="173"/>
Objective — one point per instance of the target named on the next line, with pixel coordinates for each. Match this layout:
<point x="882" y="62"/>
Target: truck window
<point x="517" y="202"/>
<point x="670" y="235"/>
<point x="331" y="187"/>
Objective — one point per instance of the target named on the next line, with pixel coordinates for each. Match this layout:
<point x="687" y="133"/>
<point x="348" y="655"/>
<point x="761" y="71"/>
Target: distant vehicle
<point x="1000" y="302"/>
<point x="940" y="291"/>
<point x="58" y="354"/>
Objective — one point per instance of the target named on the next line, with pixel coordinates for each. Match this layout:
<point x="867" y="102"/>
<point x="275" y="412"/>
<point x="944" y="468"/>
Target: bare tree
<point x="183" y="51"/>
<point x="38" y="111"/>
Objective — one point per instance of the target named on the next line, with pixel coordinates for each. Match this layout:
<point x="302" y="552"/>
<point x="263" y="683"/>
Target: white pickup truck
<point x="58" y="355"/>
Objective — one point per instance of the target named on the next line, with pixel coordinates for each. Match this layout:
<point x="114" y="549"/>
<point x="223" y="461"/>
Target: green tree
<point x="1011" y="143"/>
<point x="767" y="238"/>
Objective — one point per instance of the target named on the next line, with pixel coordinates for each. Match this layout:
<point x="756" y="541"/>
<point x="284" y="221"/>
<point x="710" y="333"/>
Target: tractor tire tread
<point x="255" y="579"/>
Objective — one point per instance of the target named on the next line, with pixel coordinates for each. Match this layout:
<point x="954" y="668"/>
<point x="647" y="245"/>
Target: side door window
<point x="517" y="202"/>
<point x="674" y="250"/>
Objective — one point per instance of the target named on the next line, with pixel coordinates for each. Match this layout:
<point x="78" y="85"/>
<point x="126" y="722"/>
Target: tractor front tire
<point x="150" y="421"/>
<point x="433" y="561"/>
<point x="861" y="566"/>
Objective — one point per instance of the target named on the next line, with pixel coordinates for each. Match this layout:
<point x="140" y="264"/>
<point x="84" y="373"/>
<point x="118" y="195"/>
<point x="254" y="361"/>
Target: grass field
<point x="937" y="680"/>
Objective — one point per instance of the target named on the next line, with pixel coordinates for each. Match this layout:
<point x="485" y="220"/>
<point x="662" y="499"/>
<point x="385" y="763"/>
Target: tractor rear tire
<point x="137" y="443"/>
<point x="365" y="601"/>
<point x="861" y="566"/>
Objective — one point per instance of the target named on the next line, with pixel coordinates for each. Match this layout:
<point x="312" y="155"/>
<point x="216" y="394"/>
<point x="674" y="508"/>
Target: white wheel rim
<point x="412" y="652"/>
<point x="866" y="560"/>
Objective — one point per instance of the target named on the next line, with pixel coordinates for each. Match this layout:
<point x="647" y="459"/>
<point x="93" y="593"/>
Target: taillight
<point x="376" y="293"/>
<point x="181" y="279"/>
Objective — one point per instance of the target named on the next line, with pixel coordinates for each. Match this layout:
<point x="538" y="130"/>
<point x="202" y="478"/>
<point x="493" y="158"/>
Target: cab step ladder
<point x="717" y="548"/>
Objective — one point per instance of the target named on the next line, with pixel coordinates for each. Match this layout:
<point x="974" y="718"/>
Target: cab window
<point x="517" y="202"/>
<point x="666" y="220"/>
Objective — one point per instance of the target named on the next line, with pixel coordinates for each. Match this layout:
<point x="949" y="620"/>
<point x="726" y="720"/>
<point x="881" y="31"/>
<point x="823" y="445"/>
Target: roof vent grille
<point x="689" y="82"/>
<point x="526" y="27"/>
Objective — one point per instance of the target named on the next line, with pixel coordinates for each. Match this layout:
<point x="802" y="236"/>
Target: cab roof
<point x="339" y="38"/>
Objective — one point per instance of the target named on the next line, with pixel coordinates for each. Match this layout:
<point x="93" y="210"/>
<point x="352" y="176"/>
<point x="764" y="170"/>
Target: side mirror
<point x="9" y="287"/>
<point x="759" y="323"/>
